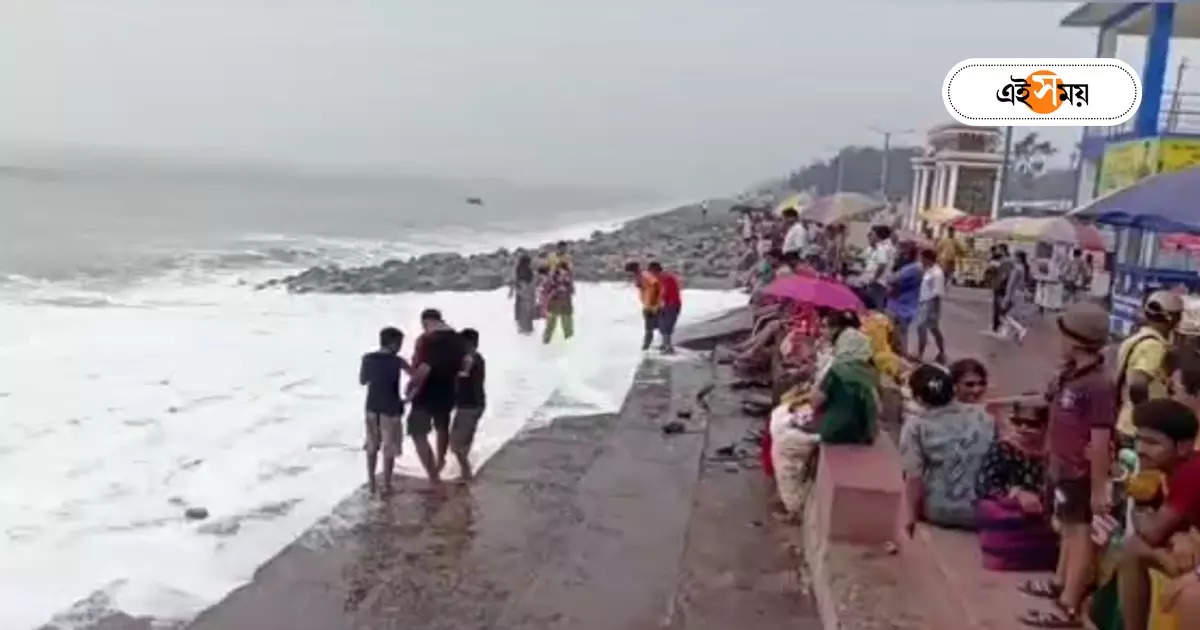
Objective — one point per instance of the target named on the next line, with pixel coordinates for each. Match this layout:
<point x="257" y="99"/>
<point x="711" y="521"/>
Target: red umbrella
<point x="815" y="291"/>
<point x="1190" y="242"/>
<point x="968" y="223"/>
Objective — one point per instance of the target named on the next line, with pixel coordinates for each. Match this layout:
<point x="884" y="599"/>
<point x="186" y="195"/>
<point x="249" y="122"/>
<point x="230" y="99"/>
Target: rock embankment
<point x="704" y="250"/>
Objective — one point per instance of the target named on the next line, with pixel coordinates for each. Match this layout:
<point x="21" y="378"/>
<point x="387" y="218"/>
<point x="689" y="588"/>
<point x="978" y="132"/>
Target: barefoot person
<point x="560" y="303"/>
<point x="672" y="303"/>
<point x="380" y="372"/>
<point x="438" y="359"/>
<point x="469" y="402"/>
<point x="650" y="294"/>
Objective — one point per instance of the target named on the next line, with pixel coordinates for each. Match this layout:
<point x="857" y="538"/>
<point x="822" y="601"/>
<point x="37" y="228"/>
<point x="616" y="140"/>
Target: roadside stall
<point x="934" y="219"/>
<point x="1048" y="243"/>
<point x="971" y="269"/>
<point x="1148" y="217"/>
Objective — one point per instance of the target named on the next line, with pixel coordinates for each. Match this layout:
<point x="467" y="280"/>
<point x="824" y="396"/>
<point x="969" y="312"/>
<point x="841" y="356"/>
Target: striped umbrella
<point x="1049" y="229"/>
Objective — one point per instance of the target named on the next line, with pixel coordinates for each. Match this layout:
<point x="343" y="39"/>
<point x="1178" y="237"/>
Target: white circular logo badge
<point x="1093" y="92"/>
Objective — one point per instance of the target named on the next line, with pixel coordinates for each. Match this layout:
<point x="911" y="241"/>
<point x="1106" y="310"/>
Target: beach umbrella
<point x="812" y="290"/>
<point x="1187" y="242"/>
<point x="795" y="202"/>
<point x="841" y="207"/>
<point x="1049" y="229"/>
<point x="938" y="216"/>
<point x="1160" y="203"/>
<point x="968" y="223"/>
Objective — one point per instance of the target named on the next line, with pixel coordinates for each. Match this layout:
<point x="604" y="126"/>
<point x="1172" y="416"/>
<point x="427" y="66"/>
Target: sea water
<point x="123" y="405"/>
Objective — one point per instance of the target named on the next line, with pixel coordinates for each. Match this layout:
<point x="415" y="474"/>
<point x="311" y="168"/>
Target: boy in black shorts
<point x="380" y="372"/>
<point x="470" y="401"/>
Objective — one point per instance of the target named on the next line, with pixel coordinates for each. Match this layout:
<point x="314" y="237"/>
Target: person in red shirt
<point x="1166" y="439"/>
<point x="672" y="302"/>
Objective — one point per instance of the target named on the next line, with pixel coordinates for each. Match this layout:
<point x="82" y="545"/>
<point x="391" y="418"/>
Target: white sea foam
<point x="122" y="408"/>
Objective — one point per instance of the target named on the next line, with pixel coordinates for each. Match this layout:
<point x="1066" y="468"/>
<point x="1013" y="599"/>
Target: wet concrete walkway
<point x="591" y="523"/>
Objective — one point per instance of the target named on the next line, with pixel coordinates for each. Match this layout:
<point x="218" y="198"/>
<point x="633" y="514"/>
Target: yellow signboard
<point x="1126" y="163"/>
<point x="1179" y="154"/>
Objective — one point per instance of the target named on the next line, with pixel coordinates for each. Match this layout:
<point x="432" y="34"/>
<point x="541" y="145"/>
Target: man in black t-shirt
<point x="380" y="372"/>
<point x="469" y="402"/>
<point x="431" y="390"/>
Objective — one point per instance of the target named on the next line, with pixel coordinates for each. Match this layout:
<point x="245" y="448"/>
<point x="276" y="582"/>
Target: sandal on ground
<point x="1039" y="619"/>
<point x="1044" y="589"/>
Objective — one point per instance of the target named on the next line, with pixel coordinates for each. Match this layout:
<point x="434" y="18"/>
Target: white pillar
<point x="952" y="189"/>
<point x="996" y="195"/>
<point x="935" y="191"/>
<point x="914" y="199"/>
<point x="923" y="188"/>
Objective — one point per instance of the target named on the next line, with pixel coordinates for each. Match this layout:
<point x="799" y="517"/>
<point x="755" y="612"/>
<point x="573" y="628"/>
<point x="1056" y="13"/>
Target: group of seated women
<point x="962" y="472"/>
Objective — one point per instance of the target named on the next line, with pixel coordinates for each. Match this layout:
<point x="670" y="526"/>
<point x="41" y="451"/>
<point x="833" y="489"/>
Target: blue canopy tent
<point x="1167" y="202"/>
<point x="1163" y="203"/>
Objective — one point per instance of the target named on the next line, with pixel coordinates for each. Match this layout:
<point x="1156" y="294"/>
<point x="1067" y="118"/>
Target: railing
<point x="1180" y="113"/>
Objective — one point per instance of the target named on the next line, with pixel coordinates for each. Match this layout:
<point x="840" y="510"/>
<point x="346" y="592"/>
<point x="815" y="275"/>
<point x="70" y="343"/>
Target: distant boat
<point x="475" y="201"/>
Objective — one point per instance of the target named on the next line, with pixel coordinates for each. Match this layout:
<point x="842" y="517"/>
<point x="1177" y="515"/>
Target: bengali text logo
<point x="1042" y="92"/>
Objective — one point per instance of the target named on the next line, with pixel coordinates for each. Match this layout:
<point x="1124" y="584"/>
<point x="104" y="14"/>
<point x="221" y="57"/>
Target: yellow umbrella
<point x="938" y="216"/>
<point x="795" y="202"/>
<point x="839" y="207"/>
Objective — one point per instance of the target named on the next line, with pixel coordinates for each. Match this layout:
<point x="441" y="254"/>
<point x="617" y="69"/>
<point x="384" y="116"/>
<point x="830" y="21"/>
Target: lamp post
<point x="1002" y="190"/>
<point x="837" y="166"/>
<point x="887" y="146"/>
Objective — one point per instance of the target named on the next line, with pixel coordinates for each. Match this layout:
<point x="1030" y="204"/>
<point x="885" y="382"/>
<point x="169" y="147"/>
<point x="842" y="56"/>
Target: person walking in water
<point x="560" y="293"/>
<point x="524" y="293"/>
<point x="380" y="372"/>
<point x="438" y="360"/>
<point x="672" y="303"/>
<point x="560" y="255"/>
<point x="650" y="294"/>
<point x="469" y="402"/>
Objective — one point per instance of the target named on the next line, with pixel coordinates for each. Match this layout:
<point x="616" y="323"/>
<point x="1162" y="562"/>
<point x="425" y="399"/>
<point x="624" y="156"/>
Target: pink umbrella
<point x="815" y="291"/>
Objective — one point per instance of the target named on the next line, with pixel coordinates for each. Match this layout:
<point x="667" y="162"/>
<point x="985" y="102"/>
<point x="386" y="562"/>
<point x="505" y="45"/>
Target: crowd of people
<point x="1096" y="481"/>
<point x="445" y="393"/>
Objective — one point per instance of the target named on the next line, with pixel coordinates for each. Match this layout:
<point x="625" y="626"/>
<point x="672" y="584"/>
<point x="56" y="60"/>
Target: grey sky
<point x="677" y="95"/>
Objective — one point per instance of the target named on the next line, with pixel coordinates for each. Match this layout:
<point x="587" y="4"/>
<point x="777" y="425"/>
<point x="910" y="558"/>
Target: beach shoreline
<point x="102" y="611"/>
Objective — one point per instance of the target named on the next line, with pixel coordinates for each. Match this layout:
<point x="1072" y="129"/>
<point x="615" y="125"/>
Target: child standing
<point x="470" y="401"/>
<point x="380" y="372"/>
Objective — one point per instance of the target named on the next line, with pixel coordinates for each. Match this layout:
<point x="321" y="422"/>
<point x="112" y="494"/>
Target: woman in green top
<point x="846" y="401"/>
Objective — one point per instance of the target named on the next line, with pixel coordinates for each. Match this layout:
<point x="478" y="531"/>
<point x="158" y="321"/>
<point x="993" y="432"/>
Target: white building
<point x="960" y="169"/>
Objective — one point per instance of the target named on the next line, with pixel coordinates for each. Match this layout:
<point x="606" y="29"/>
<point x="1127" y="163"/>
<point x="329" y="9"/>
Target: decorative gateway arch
<point x="960" y="169"/>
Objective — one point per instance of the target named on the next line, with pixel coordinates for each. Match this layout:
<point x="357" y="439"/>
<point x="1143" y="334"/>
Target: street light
<point x="887" y="145"/>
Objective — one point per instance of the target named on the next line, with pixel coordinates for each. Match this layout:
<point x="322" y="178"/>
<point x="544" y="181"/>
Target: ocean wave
<point x="250" y="255"/>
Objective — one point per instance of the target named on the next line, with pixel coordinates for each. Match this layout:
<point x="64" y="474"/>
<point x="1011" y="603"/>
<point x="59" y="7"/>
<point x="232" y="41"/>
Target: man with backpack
<point x="1141" y="361"/>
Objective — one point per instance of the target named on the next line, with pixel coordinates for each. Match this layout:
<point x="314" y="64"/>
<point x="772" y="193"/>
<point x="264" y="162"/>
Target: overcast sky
<point x="675" y="95"/>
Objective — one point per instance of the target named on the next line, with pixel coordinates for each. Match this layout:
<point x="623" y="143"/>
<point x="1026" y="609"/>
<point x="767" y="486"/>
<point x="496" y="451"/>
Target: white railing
<point x="1180" y="113"/>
